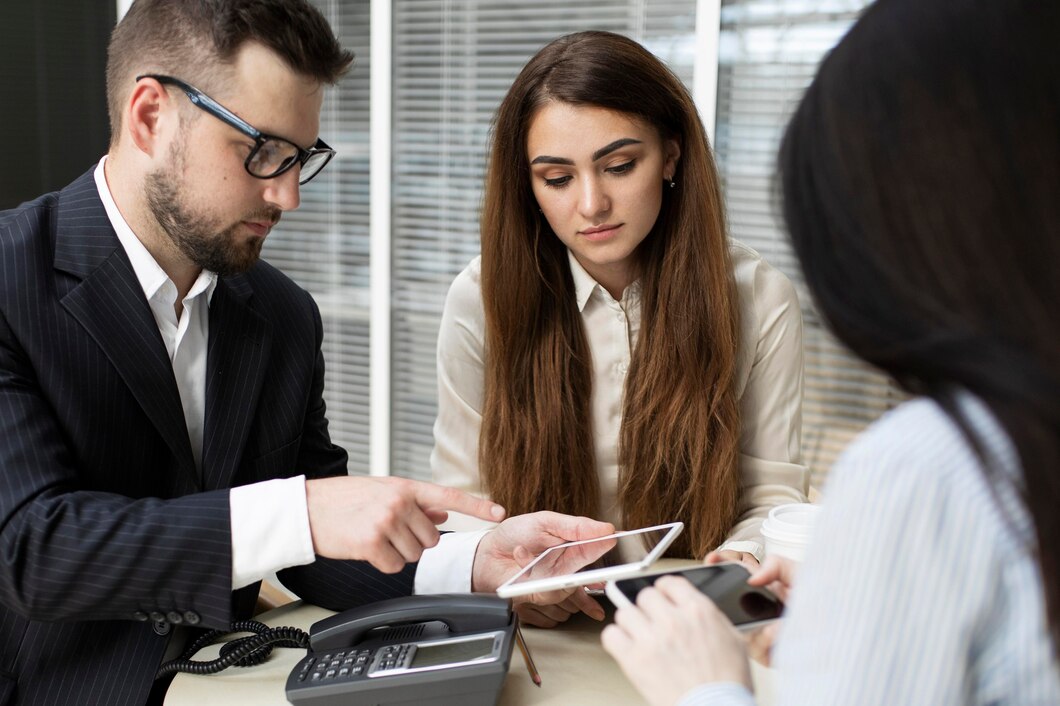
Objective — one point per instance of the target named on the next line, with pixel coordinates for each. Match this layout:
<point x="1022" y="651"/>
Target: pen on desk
<point x="525" y="649"/>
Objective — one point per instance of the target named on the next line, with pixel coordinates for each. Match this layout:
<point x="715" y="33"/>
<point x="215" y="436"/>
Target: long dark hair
<point x="678" y="445"/>
<point x="921" y="187"/>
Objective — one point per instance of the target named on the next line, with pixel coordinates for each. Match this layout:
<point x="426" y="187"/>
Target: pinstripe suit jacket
<point x="103" y="515"/>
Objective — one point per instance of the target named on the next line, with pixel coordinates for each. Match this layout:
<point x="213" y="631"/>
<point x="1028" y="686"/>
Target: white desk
<point x="574" y="670"/>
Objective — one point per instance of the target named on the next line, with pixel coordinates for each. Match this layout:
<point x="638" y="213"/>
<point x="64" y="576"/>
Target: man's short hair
<point x="197" y="40"/>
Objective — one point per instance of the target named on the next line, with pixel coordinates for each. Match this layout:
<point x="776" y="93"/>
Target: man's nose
<point x="283" y="191"/>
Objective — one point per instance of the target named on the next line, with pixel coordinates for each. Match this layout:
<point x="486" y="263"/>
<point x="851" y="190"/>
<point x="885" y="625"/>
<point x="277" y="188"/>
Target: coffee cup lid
<point x="792" y="519"/>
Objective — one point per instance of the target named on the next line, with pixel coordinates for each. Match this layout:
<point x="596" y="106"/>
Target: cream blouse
<point x="769" y="382"/>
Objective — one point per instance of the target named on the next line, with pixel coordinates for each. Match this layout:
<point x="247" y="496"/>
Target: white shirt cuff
<point x="747" y="546"/>
<point x="270" y="529"/>
<point x="446" y="567"/>
<point x="718" y="694"/>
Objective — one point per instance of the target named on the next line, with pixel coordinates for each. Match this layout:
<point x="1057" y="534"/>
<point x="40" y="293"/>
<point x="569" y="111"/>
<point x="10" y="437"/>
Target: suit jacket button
<point x="175" y="617"/>
<point x="161" y="627"/>
<point x="158" y="616"/>
<point x="141" y="616"/>
<point x="191" y="617"/>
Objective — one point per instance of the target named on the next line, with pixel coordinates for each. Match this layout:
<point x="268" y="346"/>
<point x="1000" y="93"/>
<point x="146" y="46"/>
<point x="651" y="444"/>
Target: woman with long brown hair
<point x="612" y="353"/>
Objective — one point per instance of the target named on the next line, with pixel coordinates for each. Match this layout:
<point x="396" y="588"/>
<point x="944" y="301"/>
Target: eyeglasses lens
<point x="272" y="157"/>
<point x="314" y="164"/>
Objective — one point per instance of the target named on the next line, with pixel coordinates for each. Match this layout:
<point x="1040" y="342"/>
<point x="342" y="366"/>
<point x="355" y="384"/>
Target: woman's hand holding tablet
<point x="592" y="561"/>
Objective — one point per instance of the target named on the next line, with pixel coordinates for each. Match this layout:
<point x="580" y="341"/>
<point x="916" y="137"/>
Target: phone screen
<point x="620" y="549"/>
<point x="725" y="584"/>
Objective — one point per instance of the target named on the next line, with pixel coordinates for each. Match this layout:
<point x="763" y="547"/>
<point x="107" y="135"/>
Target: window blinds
<point x="769" y="51"/>
<point x="323" y="245"/>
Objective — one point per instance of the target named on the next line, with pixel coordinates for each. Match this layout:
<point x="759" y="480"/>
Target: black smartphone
<point x="726" y="584"/>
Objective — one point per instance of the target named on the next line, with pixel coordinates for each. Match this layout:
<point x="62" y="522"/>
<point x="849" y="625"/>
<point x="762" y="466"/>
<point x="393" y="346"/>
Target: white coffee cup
<point x="789" y="528"/>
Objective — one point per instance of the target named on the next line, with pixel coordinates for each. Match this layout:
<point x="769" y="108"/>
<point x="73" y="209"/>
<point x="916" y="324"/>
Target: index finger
<point x="436" y="497"/>
<point x="587" y="604"/>
<point x="775" y="568"/>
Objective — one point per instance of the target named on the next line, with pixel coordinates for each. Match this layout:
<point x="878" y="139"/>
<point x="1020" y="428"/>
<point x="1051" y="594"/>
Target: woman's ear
<point x="672" y="153"/>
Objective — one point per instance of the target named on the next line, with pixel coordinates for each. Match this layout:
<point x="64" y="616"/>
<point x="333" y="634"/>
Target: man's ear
<point x="147" y="115"/>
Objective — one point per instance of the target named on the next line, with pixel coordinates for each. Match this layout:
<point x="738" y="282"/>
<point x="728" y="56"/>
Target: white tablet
<point x="592" y="560"/>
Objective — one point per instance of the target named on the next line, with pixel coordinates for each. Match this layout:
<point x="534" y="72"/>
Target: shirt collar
<point x="585" y="286"/>
<point x="148" y="272"/>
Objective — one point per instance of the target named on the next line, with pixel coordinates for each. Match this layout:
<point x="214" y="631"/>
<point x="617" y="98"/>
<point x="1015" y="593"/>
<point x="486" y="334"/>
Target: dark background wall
<point x="53" y="112"/>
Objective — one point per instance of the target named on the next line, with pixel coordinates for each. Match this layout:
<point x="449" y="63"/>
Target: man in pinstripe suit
<point x="165" y="443"/>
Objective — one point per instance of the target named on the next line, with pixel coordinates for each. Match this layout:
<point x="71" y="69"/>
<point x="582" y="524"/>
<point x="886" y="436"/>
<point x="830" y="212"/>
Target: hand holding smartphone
<point x="747" y="607"/>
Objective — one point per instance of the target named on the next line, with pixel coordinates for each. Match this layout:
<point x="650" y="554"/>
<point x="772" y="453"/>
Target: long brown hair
<point x="678" y="447"/>
<point x="920" y="190"/>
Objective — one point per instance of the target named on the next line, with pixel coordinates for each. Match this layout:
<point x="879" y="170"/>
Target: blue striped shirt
<point x="924" y="589"/>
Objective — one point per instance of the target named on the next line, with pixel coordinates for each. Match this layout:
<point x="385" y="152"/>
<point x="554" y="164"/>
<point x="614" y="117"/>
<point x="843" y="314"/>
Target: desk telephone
<point x="444" y="650"/>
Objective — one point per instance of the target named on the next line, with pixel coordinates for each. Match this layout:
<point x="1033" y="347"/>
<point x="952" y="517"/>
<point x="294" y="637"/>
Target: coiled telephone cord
<point x="244" y="652"/>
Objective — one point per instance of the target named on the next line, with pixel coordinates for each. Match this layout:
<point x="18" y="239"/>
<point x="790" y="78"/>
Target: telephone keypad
<point x="327" y="667"/>
<point x="392" y="657"/>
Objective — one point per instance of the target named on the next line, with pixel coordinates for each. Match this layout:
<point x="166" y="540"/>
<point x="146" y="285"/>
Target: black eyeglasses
<point x="271" y="155"/>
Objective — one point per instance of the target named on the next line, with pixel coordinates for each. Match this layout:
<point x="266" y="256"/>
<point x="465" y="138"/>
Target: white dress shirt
<point x="270" y="519"/>
<point x="769" y="383"/>
<point x="928" y="591"/>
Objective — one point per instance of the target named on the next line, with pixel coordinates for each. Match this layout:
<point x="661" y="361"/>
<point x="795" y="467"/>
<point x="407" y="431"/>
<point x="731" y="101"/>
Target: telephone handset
<point x="445" y="650"/>
<point x="463" y="612"/>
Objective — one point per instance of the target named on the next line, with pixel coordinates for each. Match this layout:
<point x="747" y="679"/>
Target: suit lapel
<point x="110" y="304"/>
<point x="238" y="352"/>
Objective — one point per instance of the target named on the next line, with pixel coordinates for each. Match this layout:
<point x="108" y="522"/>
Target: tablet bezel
<point x="510" y="589"/>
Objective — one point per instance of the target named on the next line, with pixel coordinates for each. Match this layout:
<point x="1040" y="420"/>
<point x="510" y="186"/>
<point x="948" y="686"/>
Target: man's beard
<point x="194" y="234"/>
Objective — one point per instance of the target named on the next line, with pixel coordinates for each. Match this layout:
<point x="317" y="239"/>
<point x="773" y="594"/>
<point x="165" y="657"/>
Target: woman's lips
<point x="603" y="232"/>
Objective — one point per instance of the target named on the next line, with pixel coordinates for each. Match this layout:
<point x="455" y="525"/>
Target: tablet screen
<point x="592" y="560"/>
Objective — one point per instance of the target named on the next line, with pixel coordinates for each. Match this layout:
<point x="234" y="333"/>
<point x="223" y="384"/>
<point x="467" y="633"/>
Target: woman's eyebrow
<point x="545" y="159"/>
<point x="602" y="152"/>
<point x="608" y="149"/>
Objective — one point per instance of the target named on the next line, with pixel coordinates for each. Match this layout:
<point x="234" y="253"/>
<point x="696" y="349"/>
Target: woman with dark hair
<point x="920" y="176"/>
<point x="612" y="354"/>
